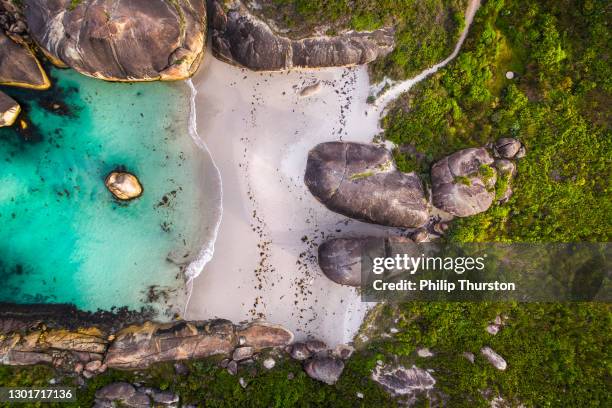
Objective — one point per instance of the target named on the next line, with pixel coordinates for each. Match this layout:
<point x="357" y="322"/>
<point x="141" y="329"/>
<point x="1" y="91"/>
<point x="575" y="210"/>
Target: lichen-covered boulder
<point x="19" y="67"/>
<point x="324" y="369"/>
<point x="139" y="346"/>
<point x="463" y="183"/>
<point x="362" y="182"/>
<point x="121" y="40"/>
<point x="240" y="38"/>
<point x="124" y="186"/>
<point x="9" y="110"/>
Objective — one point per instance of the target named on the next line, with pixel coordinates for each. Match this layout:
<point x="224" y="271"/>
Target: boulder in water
<point x="124" y="186"/>
<point x="9" y="110"/>
<point x="19" y="67"/>
<point x="121" y="40"/>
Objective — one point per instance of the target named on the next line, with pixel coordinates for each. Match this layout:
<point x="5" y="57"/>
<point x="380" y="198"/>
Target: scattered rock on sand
<point x="310" y="90"/>
<point x="495" y="359"/>
<point x="325" y="369"/>
<point x="124" y="186"/>
<point x="362" y="182"/>
<point x="121" y="40"/>
<point x="9" y="110"/>
<point x="240" y="38"/>
<point x="463" y="183"/>
<point x="19" y="67"/>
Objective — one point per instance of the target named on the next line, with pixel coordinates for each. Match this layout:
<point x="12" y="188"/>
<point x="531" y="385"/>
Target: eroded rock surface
<point x="403" y="381"/>
<point x="138" y="346"/>
<point x="260" y="335"/>
<point x="124" y="186"/>
<point x="463" y="183"/>
<point x="9" y="110"/>
<point x="121" y="40"/>
<point x="19" y="67"/>
<point x="241" y="38"/>
<point x="362" y="182"/>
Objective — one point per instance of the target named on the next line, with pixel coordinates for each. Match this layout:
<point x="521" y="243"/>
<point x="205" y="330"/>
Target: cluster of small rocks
<point x="320" y="363"/>
<point x="127" y="395"/>
<point x="12" y="22"/>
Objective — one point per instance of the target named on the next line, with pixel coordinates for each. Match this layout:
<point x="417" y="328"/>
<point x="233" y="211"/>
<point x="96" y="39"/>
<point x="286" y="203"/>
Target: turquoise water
<point x="63" y="237"/>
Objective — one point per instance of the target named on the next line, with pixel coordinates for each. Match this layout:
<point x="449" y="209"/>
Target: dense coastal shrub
<point x="427" y="30"/>
<point x="556" y="104"/>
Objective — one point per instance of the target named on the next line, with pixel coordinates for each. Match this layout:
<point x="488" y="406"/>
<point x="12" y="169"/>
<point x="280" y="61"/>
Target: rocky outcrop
<point x="51" y="346"/>
<point x="139" y="346"/>
<point x="130" y="396"/>
<point x="362" y="182"/>
<point x="19" y="67"/>
<point x="340" y="258"/>
<point x="9" y="110"/>
<point x="463" y="183"/>
<point x="124" y="186"/>
<point x="121" y="40"/>
<point x="240" y="38"/>
<point x="398" y="380"/>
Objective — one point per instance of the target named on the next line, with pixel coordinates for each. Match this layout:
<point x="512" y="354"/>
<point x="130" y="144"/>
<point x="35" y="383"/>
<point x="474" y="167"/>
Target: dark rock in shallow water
<point x="241" y="38"/>
<point x="362" y="182"/>
<point x="325" y="369"/>
<point x="19" y="67"/>
<point x="463" y="182"/>
<point x="9" y="110"/>
<point x="121" y="40"/>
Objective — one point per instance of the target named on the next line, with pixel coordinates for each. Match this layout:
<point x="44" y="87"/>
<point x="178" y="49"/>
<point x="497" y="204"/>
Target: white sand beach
<point x="259" y="131"/>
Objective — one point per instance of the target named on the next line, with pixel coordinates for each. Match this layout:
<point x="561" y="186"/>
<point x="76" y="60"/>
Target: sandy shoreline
<point x="259" y="130"/>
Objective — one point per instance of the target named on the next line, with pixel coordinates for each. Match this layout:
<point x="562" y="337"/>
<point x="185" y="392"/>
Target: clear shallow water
<point x="63" y="237"/>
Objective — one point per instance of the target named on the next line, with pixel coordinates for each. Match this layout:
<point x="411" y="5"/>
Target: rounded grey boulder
<point x="324" y="369"/>
<point x="340" y="259"/>
<point x="507" y="147"/>
<point x="362" y="182"/>
<point x="463" y="182"/>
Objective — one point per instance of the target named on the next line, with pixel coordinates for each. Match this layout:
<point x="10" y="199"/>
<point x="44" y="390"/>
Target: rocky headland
<point x="239" y="37"/>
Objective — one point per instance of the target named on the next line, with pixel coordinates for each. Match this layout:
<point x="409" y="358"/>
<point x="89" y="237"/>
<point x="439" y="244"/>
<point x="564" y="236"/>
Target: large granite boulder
<point x="9" y="110"/>
<point x="463" y="183"/>
<point x="240" y="38"/>
<point x="19" y="67"/>
<point x="260" y="335"/>
<point x="121" y="40"/>
<point x="362" y="182"/>
<point x="340" y="259"/>
<point x="124" y="186"/>
<point x="139" y="346"/>
<point x="324" y="369"/>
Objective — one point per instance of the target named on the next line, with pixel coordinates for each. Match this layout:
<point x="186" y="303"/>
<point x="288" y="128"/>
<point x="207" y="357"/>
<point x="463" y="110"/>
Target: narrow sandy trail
<point x="259" y="131"/>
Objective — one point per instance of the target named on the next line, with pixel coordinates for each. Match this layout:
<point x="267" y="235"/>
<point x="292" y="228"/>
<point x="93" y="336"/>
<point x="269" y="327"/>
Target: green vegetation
<point x="557" y="105"/>
<point x="427" y="30"/>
